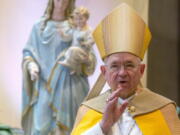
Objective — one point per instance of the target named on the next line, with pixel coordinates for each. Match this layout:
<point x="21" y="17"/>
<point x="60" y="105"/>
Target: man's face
<point x="123" y="71"/>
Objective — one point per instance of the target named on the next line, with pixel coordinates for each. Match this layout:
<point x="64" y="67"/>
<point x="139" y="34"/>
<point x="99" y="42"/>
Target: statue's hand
<point x="33" y="71"/>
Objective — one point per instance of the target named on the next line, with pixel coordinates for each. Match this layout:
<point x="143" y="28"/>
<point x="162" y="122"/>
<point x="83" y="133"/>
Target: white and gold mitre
<point x="123" y="30"/>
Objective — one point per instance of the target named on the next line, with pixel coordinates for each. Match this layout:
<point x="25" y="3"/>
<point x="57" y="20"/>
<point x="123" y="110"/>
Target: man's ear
<point x="103" y="70"/>
<point x="142" y="68"/>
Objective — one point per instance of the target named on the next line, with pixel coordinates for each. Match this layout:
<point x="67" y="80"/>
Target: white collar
<point x="121" y="101"/>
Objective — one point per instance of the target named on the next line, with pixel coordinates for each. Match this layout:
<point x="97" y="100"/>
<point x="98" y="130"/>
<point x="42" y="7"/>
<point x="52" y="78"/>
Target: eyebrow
<point x="129" y="61"/>
<point x="125" y="62"/>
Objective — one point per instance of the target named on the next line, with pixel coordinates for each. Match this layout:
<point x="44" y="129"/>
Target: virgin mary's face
<point x="61" y="4"/>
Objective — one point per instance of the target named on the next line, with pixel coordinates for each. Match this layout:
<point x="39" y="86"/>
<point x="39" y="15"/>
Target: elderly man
<point x="127" y="108"/>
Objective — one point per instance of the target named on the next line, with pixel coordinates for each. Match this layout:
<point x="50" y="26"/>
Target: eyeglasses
<point x="129" y="66"/>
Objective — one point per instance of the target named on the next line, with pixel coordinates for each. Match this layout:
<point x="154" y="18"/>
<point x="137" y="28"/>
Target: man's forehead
<point x="121" y="56"/>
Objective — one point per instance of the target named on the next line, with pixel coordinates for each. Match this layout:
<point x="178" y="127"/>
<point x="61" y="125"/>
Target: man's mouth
<point x="122" y="82"/>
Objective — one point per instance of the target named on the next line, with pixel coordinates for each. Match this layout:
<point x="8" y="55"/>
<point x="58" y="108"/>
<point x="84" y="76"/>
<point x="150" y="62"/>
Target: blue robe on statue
<point x="52" y="100"/>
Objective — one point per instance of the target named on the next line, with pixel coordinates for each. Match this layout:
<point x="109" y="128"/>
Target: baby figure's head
<point x="80" y="16"/>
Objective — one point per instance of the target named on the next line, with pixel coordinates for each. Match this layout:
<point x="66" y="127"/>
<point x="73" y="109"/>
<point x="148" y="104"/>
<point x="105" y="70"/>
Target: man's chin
<point x="125" y="93"/>
<point x="123" y="88"/>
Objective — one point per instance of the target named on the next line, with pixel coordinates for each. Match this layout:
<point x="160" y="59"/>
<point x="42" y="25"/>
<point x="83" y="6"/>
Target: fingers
<point x="108" y="117"/>
<point x="122" y="107"/>
<point x="34" y="76"/>
<point x="33" y="70"/>
<point x="114" y="94"/>
<point x="112" y="103"/>
<point x="112" y="113"/>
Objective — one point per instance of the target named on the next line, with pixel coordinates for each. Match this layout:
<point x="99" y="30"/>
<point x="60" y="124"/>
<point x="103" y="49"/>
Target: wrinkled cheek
<point x="113" y="78"/>
<point x="136" y="81"/>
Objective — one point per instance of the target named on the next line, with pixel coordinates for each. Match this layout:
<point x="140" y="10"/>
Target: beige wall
<point x="16" y="20"/>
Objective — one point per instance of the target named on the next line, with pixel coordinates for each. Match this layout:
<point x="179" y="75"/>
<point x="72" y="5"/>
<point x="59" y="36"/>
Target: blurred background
<point x="163" y="64"/>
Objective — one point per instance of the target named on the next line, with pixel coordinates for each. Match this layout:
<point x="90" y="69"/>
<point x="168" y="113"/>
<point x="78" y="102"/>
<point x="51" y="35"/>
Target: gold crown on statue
<point x="123" y="30"/>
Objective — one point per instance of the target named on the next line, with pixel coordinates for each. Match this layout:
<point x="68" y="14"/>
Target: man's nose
<point x="122" y="71"/>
